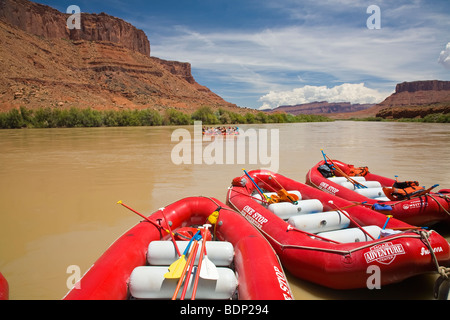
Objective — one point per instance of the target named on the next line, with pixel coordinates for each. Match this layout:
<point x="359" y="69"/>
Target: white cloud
<point x="277" y="59"/>
<point x="347" y="54"/>
<point x="444" y="57"/>
<point x="354" y="93"/>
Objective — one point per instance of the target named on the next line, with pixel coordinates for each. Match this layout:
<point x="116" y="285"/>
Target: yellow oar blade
<point x="176" y="269"/>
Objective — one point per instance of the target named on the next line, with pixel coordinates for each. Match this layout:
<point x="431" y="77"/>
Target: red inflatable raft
<point x="322" y="240"/>
<point x="136" y="265"/>
<point x="421" y="207"/>
<point x="4" y="288"/>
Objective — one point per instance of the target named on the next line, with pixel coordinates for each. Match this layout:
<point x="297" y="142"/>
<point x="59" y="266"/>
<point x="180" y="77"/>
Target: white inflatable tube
<point x="371" y="184"/>
<point x="348" y="185"/>
<point x="371" y="192"/>
<point x="382" y="199"/>
<point x="285" y="210"/>
<point x="163" y="253"/>
<point x="352" y="234"/>
<point x="368" y="184"/>
<point x="339" y="180"/>
<point x="320" y="222"/>
<point x="149" y="283"/>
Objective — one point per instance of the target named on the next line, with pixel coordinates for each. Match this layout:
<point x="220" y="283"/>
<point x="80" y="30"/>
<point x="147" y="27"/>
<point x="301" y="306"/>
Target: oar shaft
<point x="171" y="234"/>
<point x="256" y="185"/>
<point x="189" y="272"/>
<point x="146" y="218"/>
<point x="199" y="267"/>
<point x="354" y="182"/>
<point x="385" y="225"/>
<point x="180" y="281"/>
<point x="352" y="220"/>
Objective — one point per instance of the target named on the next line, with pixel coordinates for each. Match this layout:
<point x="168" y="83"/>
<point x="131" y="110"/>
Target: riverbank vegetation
<point x="430" y="118"/>
<point x="75" y="117"/>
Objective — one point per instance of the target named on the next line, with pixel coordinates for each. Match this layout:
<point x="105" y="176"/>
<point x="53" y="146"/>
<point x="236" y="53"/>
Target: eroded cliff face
<point x="40" y="66"/>
<point x="47" y="22"/>
<point x="322" y="107"/>
<point x="430" y="85"/>
<point x="416" y="99"/>
<point x="418" y="93"/>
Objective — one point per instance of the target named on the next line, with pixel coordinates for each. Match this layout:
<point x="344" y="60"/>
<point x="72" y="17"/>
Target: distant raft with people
<point x="220" y="131"/>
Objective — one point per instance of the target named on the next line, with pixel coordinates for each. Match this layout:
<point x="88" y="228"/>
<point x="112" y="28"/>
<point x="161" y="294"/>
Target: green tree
<point x="206" y="115"/>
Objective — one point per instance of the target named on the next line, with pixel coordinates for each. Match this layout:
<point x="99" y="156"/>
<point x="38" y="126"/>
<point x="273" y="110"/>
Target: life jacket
<point x="283" y="196"/>
<point x="361" y="171"/>
<point x="404" y="190"/>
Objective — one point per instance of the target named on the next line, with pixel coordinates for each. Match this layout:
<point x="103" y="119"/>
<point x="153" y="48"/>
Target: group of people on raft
<point x="216" y="131"/>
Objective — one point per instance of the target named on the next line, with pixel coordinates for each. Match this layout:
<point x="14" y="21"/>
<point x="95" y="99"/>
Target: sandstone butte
<point x="414" y="99"/>
<point x="105" y="65"/>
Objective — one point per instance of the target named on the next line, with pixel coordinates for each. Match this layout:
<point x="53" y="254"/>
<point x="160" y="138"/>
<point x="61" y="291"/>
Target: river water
<point x="59" y="188"/>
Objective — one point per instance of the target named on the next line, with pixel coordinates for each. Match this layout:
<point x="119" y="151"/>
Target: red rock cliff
<point x="418" y="93"/>
<point x="49" y="23"/>
<point x="416" y="99"/>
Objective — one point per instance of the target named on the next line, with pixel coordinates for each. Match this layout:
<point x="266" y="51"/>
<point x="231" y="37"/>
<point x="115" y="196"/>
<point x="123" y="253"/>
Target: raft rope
<point x="439" y="204"/>
<point x="337" y="251"/>
<point x="447" y="198"/>
<point x="444" y="272"/>
<point x="420" y="234"/>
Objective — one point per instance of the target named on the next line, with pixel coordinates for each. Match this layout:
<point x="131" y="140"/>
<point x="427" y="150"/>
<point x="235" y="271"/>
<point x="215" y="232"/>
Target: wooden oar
<point x="177" y="268"/>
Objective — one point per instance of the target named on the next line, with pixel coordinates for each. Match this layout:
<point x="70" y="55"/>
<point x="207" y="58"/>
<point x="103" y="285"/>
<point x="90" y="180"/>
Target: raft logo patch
<point x="384" y="253"/>
<point x="255" y="217"/>
<point x="418" y="204"/>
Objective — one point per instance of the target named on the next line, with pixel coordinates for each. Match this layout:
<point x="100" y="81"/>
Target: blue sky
<point x="269" y="53"/>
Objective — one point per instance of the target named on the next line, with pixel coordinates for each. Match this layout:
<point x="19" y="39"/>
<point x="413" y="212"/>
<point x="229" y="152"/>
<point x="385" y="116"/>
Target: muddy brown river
<point x="59" y="187"/>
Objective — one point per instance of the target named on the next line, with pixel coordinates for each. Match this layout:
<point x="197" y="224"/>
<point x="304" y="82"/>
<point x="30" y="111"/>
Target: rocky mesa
<point x="416" y="99"/>
<point x="322" y="108"/>
<point x="106" y="64"/>
<point x="49" y="23"/>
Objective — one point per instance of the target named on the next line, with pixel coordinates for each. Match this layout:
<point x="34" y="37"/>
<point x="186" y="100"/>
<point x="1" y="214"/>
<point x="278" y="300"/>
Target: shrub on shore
<point x="75" y="118"/>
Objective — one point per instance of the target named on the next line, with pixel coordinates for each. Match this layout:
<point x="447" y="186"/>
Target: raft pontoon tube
<point x="134" y="266"/>
<point x="333" y="244"/>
